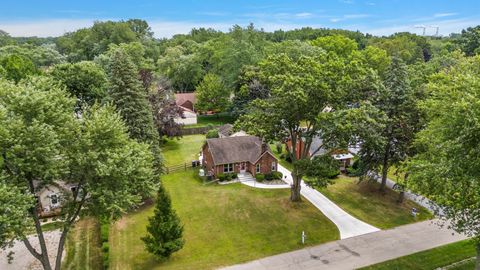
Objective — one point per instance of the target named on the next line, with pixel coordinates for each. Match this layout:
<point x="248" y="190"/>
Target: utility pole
<point x="422" y="27"/>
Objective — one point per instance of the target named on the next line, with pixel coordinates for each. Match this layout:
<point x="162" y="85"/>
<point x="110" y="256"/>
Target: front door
<point x="243" y="167"/>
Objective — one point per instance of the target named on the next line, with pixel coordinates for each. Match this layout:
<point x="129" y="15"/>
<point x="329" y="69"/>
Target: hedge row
<point x="104" y="232"/>
<point x="227" y="176"/>
<point x="269" y="176"/>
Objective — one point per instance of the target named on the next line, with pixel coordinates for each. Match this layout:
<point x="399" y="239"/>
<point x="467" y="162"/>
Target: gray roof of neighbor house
<point x="225" y="130"/>
<point x="236" y="149"/>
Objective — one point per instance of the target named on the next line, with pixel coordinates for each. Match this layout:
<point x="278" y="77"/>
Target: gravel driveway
<point x="23" y="259"/>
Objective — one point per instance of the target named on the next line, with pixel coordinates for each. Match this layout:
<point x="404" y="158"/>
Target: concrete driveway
<point x="348" y="225"/>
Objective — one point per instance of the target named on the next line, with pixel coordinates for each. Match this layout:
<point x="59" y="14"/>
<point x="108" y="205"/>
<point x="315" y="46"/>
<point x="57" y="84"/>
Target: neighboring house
<point x="186" y="100"/>
<point x="237" y="154"/>
<point x="50" y="197"/>
<point x="317" y="149"/>
<point x="225" y="131"/>
<point x="189" y="117"/>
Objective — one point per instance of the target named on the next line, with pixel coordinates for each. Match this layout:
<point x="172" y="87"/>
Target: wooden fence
<point x="197" y="130"/>
<point x="180" y="167"/>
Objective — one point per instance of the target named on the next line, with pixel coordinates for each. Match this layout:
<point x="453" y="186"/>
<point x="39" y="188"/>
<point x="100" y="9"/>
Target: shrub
<point x="222" y="177"/>
<point x="268" y="176"/>
<point x="260" y="177"/>
<point x="104" y="231"/>
<point x="234" y="175"/>
<point x="288" y="158"/>
<point x="279" y="147"/>
<point x="212" y="133"/>
<point x="228" y="176"/>
<point x="105" y="247"/>
<point x="277" y="175"/>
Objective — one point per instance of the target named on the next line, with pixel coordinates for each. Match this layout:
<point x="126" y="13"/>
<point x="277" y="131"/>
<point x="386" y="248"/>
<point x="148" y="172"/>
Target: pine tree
<point x="131" y="101"/>
<point x="164" y="228"/>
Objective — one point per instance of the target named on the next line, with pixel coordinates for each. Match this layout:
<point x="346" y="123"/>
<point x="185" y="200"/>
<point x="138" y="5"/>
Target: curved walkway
<point x="348" y="225"/>
<point x="247" y="179"/>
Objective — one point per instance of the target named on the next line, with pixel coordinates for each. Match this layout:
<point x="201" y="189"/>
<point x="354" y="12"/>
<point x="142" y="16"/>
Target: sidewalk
<point x="348" y="225"/>
<point x="360" y="251"/>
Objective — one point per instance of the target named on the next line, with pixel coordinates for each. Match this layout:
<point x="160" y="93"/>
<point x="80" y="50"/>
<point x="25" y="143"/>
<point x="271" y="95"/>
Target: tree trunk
<point x="477" y="265"/>
<point x="295" y="190"/>
<point x="61" y="244"/>
<point x="385" y="169"/>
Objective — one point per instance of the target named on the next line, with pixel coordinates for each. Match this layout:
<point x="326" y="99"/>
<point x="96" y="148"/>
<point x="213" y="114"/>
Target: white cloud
<point x="446" y="27"/>
<point x="349" y="17"/>
<point x="441" y="15"/>
<point x="45" y="28"/>
<point x="304" y="15"/>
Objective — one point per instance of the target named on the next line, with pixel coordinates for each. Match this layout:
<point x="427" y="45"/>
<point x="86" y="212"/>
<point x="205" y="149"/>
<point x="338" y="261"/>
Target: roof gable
<point x="235" y="149"/>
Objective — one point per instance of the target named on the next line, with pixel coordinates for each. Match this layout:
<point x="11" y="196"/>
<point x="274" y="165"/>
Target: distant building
<point x="186" y="102"/>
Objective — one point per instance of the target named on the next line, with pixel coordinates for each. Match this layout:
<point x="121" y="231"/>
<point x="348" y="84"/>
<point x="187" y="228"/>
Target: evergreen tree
<point x="164" y="228"/>
<point x="131" y="101"/>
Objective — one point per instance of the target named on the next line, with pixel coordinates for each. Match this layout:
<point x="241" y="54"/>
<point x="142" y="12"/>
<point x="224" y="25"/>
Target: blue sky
<point x="378" y="17"/>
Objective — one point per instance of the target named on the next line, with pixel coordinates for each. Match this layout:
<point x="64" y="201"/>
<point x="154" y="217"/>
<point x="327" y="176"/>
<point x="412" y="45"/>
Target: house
<point x="51" y="197"/>
<point x="188" y="117"/>
<point x="317" y="149"/>
<point x="225" y="130"/>
<point x="242" y="154"/>
<point x="186" y="100"/>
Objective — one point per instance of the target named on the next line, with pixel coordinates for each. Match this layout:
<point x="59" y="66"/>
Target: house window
<point x="257" y="168"/>
<point x="227" y="168"/>
<point x="54" y="199"/>
<point x="274" y="166"/>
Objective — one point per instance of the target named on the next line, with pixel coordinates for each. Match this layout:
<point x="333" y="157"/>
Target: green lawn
<point x="224" y="225"/>
<point x="432" y="259"/>
<point x="365" y="202"/>
<point x="182" y="151"/>
<point x="216" y="120"/>
<point x="83" y="246"/>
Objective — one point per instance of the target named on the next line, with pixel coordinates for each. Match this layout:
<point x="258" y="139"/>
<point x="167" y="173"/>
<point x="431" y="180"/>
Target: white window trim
<point x="274" y="166"/>
<point x="257" y="168"/>
<point x="229" y="168"/>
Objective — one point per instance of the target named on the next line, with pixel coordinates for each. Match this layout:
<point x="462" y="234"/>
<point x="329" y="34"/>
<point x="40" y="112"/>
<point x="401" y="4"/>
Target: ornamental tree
<point x="165" y="233"/>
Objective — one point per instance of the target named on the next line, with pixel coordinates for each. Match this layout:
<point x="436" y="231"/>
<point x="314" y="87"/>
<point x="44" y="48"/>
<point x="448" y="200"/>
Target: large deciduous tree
<point x="85" y="80"/>
<point x="300" y="91"/>
<point x="43" y="143"/>
<point x="17" y="67"/>
<point x="446" y="169"/>
<point x="212" y="95"/>
<point x="400" y="117"/>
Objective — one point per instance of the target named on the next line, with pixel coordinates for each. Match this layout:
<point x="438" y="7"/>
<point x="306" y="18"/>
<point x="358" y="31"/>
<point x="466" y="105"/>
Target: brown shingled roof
<point x="181" y="98"/>
<point x="235" y="149"/>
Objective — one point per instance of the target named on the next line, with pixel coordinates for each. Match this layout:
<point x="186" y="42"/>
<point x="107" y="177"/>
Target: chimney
<point x="264" y="147"/>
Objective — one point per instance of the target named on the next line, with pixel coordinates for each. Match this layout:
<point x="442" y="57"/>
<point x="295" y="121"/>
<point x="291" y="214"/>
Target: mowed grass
<point x="182" y="151"/>
<point x="432" y="258"/>
<point x="83" y="250"/>
<point x="365" y="202"/>
<point x="215" y="119"/>
<point x="224" y="225"/>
